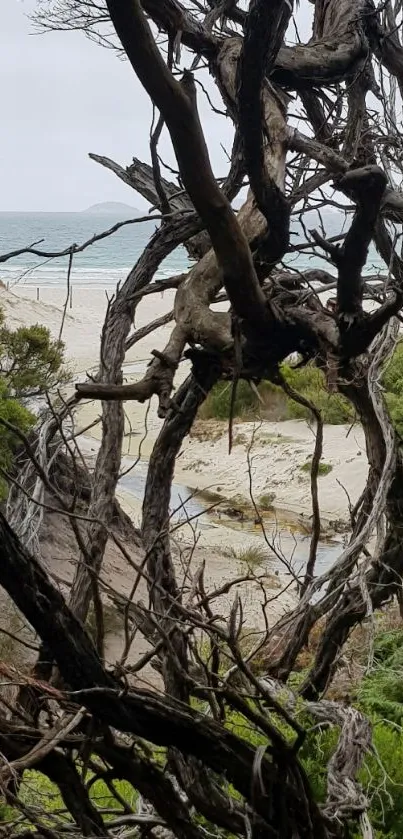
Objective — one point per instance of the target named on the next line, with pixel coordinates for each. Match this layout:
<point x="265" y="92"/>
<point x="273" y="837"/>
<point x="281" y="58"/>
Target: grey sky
<point x="62" y="97"/>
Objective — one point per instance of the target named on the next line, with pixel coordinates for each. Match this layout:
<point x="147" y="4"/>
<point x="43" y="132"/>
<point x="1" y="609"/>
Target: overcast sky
<point x="62" y="97"/>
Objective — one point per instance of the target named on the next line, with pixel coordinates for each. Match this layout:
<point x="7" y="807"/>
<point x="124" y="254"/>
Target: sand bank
<point x="279" y="453"/>
<point x="83" y="322"/>
<point x="275" y="470"/>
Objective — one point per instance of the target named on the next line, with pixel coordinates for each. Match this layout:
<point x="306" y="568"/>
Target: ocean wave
<point x="107" y="277"/>
<point x="24" y="276"/>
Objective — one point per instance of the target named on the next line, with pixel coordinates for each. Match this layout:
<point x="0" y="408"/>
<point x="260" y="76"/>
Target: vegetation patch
<point x="269" y="401"/>
<point x="209" y="496"/>
<point x="266" y="501"/>
<point x="252" y="555"/>
<point x="324" y="468"/>
<point x="30" y="365"/>
<point x="275" y="439"/>
<point x="240" y="439"/>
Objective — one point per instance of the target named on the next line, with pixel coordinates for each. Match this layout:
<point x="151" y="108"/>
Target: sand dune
<point x="279" y="450"/>
<point x="83" y="321"/>
<point x="278" y="453"/>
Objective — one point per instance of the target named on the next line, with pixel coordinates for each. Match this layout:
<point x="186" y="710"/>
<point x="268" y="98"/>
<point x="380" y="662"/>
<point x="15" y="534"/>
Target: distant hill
<point x="113" y="208"/>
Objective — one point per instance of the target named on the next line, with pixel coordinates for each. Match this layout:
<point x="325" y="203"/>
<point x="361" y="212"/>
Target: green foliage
<point x="393" y="375"/>
<point x="30" y="364"/>
<point x="324" y="468"/>
<point x="381" y="776"/>
<point x="252" y="555"/>
<point x="242" y="727"/>
<point x="266" y="501"/>
<point x="386" y="644"/>
<point x="13" y="412"/>
<point x="272" y="403"/>
<point x="315" y="754"/>
<point x="38" y="791"/>
<point x="380" y="696"/>
<point x="310" y="382"/>
<point x="30" y="360"/>
<point x="393" y="384"/>
<point x="382" y="779"/>
<point x="247" y="405"/>
<point x="381" y="691"/>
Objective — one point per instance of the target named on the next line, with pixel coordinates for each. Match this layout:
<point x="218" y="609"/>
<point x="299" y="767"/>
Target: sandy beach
<point x="277" y="451"/>
<point x="268" y="463"/>
<point x="83" y="322"/>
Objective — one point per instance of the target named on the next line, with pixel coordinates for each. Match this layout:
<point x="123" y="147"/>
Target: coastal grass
<point x="251" y="555"/>
<point x="266" y="501"/>
<point x="379" y="695"/>
<point x="323" y="468"/>
<point x="269" y="402"/>
<point x="37" y="791"/>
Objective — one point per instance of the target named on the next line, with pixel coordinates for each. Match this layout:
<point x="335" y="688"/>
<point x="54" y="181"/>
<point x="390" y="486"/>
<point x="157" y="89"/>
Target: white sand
<point x="279" y="449"/>
<point x="83" y="322"/>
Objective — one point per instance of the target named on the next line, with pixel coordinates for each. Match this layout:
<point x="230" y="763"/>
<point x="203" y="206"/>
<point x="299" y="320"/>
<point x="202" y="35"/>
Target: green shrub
<point x="266" y="501"/>
<point x="38" y="791"/>
<point x="17" y="415"/>
<point x="395" y="407"/>
<point x="381" y="691"/>
<point x="30" y="360"/>
<point x="382" y="779"/>
<point x="392" y="378"/>
<point x="381" y="776"/>
<point x="380" y="696"/>
<point x="30" y="364"/>
<point x="392" y="381"/>
<point x="272" y="403"/>
<point x="386" y="644"/>
<point x="324" y="468"/>
<point x="311" y="383"/>
<point x="247" y="405"/>
<point x="252" y="555"/>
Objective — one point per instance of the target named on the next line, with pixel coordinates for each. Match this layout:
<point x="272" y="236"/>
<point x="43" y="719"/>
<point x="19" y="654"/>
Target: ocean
<point x="108" y="262"/>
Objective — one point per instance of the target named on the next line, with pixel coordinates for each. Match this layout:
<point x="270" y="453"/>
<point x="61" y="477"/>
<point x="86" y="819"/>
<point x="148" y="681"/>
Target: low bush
<point x="381" y="776"/>
<point x="309" y="381"/>
<point x="324" y="468"/>
<point x="40" y="794"/>
<point x="247" y="404"/>
<point x="252" y="555"/>
<point x="381" y="691"/>
<point x="393" y="384"/>
<point x="267" y="500"/>
<point x="271" y="403"/>
<point x="30" y="364"/>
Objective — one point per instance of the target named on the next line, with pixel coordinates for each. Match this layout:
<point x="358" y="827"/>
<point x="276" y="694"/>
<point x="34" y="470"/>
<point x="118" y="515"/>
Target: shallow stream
<point x="288" y="536"/>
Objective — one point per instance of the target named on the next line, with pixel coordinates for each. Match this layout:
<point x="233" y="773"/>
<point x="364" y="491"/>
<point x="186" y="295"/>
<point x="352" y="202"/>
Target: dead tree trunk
<point x="349" y="156"/>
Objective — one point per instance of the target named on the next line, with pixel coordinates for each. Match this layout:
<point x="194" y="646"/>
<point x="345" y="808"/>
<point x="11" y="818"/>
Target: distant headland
<point x="108" y="208"/>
